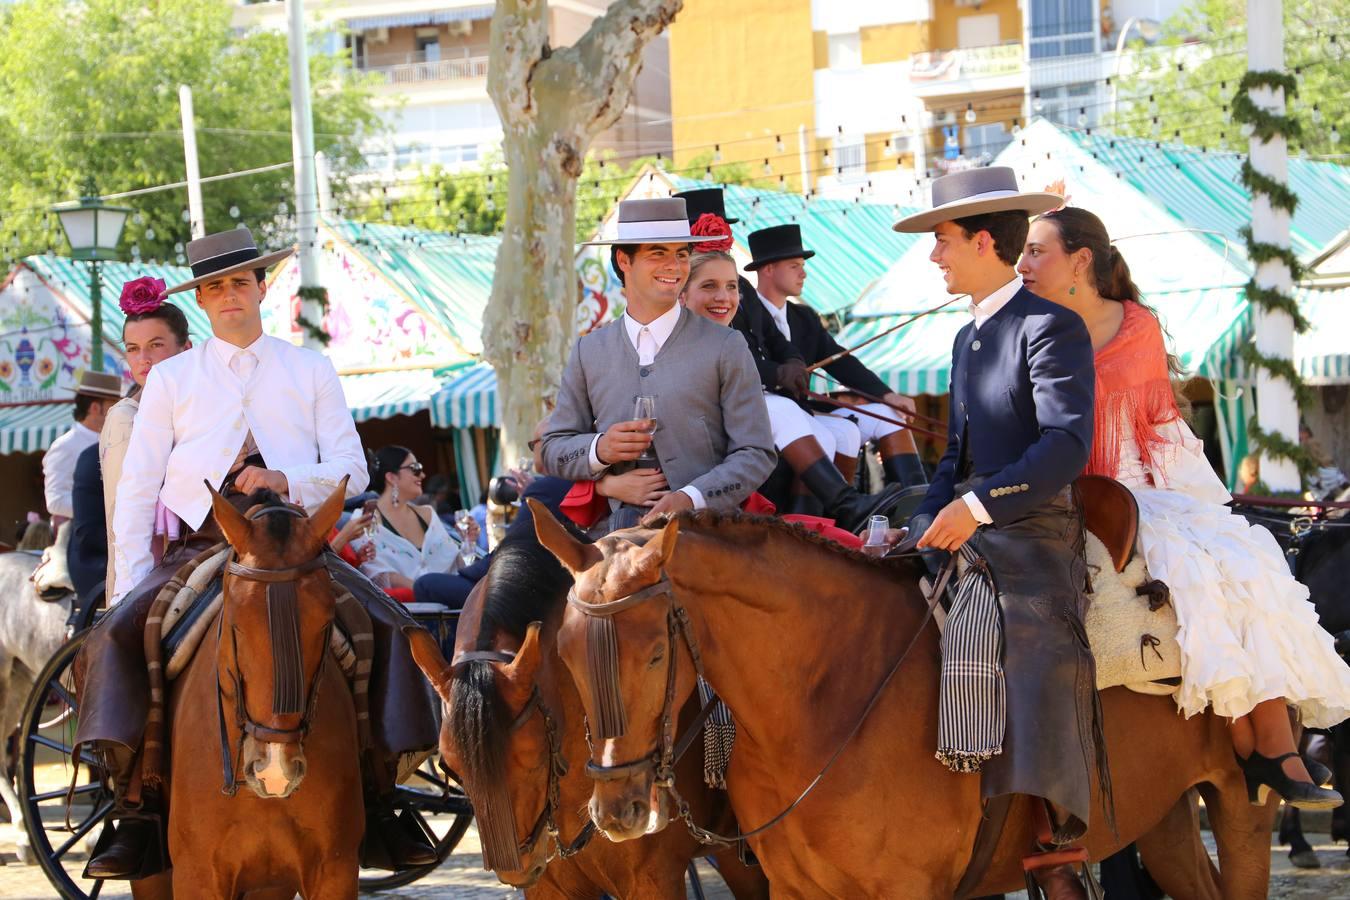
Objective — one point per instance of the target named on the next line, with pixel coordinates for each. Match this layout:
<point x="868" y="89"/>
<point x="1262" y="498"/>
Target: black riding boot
<point x="904" y="469"/>
<point x="394" y="839"/>
<point x="849" y="509"/>
<point x="131" y="845"/>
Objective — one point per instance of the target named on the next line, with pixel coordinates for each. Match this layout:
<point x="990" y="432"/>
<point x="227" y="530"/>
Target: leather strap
<point x="274" y="575"/>
<point x="605" y="610"/>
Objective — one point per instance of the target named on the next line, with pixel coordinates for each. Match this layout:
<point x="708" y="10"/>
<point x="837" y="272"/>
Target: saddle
<point x="1111" y="513"/>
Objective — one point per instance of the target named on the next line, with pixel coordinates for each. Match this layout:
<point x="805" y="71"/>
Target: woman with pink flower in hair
<point x="154" y="330"/>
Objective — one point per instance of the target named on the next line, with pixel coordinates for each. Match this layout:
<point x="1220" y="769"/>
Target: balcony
<point x="415" y="68"/>
<point x="941" y="73"/>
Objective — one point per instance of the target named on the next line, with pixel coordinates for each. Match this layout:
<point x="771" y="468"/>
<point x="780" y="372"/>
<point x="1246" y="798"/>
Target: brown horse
<point x="265" y="788"/>
<point x="796" y="635"/>
<point x="514" y="732"/>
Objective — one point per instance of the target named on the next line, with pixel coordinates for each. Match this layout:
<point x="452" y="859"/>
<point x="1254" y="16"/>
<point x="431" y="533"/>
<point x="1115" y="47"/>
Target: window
<point x="1062" y="28"/>
<point x="1068" y="104"/>
<point x="428" y="45"/>
<point x="852" y="153"/>
<point x="845" y="50"/>
<point x="977" y="31"/>
<point x="986" y="140"/>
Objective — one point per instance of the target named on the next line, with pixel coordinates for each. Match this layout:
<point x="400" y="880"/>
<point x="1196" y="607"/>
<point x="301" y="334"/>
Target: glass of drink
<point x="468" y="550"/>
<point x="874" y="544"/>
<point x="644" y="410"/>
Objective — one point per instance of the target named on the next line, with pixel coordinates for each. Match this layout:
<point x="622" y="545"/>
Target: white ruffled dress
<point x="1248" y="631"/>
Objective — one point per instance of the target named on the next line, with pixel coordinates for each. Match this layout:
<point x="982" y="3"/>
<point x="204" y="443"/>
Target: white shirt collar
<point x="85" y="431"/>
<point x="659" y="328"/>
<point x="778" y="314"/>
<point x="987" y="308"/>
<point x="225" y="351"/>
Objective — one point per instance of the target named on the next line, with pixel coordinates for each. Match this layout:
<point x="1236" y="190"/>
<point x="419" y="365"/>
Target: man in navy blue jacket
<point x="1019" y="432"/>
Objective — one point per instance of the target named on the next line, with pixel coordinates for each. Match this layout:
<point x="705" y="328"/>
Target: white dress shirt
<point x="58" y="468"/>
<point x="196" y="413"/>
<point x="778" y="314"/>
<point x="648" y="340"/>
<point x="983" y="311"/>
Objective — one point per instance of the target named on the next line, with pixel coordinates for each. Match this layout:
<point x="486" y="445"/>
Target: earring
<point x="1073" y="288"/>
<point x="395" y="498"/>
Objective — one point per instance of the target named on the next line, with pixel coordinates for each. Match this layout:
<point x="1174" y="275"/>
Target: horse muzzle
<point x="628" y="814"/>
<point x="271" y="771"/>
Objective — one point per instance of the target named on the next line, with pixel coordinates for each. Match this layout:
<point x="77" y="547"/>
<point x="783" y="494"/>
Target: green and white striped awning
<point x="1205" y="327"/>
<point x="383" y="395"/>
<point x="33" y="427"/>
<point x="468" y="401"/>
<point x="1323" y="351"/>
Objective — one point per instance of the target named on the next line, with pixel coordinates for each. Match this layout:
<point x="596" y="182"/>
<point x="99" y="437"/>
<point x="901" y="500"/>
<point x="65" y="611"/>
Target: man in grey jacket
<point x="712" y="439"/>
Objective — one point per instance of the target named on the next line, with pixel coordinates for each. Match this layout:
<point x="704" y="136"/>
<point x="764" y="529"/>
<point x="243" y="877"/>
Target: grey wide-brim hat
<point x="98" y="384"/>
<point x="974" y="192"/>
<point x="659" y="221"/>
<point x="221" y="254"/>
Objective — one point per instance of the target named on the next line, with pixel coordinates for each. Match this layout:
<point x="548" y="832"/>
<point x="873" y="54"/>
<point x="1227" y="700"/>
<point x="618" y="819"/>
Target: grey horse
<point x="31" y="631"/>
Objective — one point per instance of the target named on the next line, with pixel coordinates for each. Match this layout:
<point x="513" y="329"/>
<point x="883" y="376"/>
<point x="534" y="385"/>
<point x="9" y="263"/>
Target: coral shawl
<point x="1134" y="392"/>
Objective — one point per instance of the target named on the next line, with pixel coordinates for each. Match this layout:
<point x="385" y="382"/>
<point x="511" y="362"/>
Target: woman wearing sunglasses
<point x="409" y="540"/>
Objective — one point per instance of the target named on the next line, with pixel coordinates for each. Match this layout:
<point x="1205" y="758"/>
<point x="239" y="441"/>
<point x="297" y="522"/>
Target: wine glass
<point x="644" y="410"/>
<point x="468" y="549"/>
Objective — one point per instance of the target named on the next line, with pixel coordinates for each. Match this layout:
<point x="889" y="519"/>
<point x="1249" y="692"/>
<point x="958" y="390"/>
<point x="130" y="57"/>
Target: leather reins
<point x="287" y="659"/>
<point x="547" y="821"/>
<point x="661" y="761"/>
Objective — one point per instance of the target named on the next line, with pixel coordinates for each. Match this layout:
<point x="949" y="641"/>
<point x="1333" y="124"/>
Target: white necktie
<point x="646" y="346"/>
<point x="242" y="364"/>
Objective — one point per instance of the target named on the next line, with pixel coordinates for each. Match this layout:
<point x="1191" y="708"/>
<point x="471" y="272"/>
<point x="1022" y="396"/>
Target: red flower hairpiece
<point x="142" y="295"/>
<point x="714" y="226"/>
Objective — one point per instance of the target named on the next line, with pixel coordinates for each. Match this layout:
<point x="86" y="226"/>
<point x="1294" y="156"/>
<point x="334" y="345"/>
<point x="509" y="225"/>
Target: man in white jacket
<point x="254" y="412"/>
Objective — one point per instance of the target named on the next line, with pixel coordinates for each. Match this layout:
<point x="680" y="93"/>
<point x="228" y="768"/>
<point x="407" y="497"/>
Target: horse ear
<point x="322" y="520"/>
<point x="427" y="654"/>
<point x="233" y="524"/>
<point x="576" y="556"/>
<point x="523" y="669"/>
<point x="664" y="545"/>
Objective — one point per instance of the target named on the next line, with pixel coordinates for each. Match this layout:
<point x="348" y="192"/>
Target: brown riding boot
<point x="131" y="843"/>
<point x="1060" y="883"/>
<point x="393" y="840"/>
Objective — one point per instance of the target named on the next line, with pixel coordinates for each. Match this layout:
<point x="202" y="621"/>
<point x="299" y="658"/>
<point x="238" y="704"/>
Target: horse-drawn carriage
<point x="64" y="811"/>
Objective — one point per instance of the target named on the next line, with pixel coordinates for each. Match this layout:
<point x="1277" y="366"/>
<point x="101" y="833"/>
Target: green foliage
<point x="474" y="201"/>
<point x="1197" y="100"/>
<point x="91" y="91"/>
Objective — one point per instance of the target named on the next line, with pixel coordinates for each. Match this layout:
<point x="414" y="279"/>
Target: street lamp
<point x="93" y="228"/>
<point x="1149" y="30"/>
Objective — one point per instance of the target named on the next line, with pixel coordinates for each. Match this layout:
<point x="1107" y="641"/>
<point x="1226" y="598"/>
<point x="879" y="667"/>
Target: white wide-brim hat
<point x="974" y="192"/>
<point x="659" y="221"/>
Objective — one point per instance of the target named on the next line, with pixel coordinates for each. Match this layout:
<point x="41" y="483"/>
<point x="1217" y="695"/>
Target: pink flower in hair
<point x="142" y="295"/>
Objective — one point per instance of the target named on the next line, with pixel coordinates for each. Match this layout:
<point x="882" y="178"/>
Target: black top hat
<point x="705" y="200"/>
<point x="772" y="244"/>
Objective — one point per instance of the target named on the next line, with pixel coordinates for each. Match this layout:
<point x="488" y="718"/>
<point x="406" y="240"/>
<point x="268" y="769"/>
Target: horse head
<point x="620" y="641"/>
<point x="275" y="626"/>
<point x="498" y="739"/>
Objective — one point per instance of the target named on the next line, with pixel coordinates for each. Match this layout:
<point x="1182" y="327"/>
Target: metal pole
<point x="1276" y="409"/>
<point x="194" y="173"/>
<point x="302" y="146"/>
<point x="323" y="176"/>
<point x="804" y="160"/>
<point x="95" y="317"/>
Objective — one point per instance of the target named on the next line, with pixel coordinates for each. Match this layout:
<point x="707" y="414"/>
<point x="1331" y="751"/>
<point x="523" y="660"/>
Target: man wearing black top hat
<point x="779" y="262"/>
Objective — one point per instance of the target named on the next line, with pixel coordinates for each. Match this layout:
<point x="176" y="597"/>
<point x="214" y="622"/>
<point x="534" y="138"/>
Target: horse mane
<point x="278" y="527"/>
<point x="524" y="583"/>
<point x="709" y="520"/>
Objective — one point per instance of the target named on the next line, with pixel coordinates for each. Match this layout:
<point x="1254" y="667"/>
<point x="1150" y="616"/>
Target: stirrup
<point x="1065" y="856"/>
<point x="154" y="860"/>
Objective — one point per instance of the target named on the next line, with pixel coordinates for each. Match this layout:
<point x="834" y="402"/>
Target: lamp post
<point x="93" y="228"/>
<point x="1149" y="30"/>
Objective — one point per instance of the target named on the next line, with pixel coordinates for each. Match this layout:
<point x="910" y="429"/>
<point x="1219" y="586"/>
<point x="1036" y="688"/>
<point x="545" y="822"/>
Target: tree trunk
<point x="552" y="104"/>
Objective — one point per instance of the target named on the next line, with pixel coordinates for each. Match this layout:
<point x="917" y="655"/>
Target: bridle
<point x="283" y="618"/>
<point x="499" y="851"/>
<point x="603" y="677"/>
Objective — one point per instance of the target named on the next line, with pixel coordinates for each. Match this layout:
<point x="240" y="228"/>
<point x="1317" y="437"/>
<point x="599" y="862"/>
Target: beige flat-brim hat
<point x="217" y="255"/>
<point x="974" y="192"/>
<point x="98" y="384"/>
<point x="660" y="221"/>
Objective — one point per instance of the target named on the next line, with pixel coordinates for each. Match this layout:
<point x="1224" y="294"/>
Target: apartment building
<point x="847" y="97"/>
<point x="431" y="59"/>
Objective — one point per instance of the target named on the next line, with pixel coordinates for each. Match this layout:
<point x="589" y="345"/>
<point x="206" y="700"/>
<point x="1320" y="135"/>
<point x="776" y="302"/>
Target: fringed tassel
<point x="496" y="824"/>
<point x="602" y="659"/>
<point x="288" y="674"/>
<point x="1136" y="411"/>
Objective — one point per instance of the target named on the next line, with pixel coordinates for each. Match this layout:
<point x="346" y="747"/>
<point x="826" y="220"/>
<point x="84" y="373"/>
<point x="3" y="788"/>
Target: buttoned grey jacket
<point x="712" y="426"/>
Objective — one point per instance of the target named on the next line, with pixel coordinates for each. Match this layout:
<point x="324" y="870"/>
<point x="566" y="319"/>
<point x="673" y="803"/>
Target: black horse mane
<point x="278" y="527"/>
<point x="524" y="582"/>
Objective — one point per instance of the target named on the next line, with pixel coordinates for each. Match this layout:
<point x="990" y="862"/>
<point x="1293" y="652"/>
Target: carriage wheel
<point x="46" y="735"/>
<point x="442" y="808"/>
